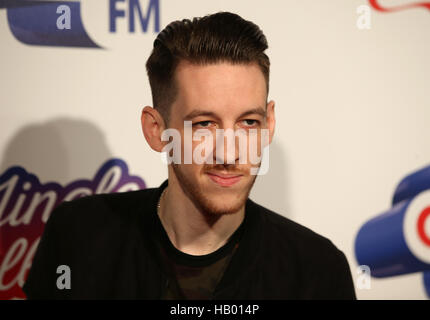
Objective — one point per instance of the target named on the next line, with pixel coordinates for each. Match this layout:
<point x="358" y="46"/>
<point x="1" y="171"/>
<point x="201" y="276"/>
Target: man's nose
<point x="226" y="147"/>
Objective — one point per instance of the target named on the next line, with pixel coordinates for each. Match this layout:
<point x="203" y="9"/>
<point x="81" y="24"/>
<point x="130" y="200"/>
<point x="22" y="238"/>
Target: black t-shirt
<point x="190" y="276"/>
<point x="109" y="243"/>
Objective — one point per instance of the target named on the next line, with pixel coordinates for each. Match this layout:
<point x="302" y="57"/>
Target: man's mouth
<point x="224" y="179"/>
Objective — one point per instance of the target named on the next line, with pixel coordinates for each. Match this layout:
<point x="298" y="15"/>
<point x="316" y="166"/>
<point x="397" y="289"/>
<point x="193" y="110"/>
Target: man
<point x="197" y="236"/>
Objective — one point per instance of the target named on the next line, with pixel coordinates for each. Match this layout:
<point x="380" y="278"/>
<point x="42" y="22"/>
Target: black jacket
<point x="108" y="243"/>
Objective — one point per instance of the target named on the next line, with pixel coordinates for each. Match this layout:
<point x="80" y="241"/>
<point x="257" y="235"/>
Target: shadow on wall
<point x="59" y="150"/>
<point x="271" y="190"/>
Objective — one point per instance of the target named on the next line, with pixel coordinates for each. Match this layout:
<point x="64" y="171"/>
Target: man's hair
<point x="220" y="37"/>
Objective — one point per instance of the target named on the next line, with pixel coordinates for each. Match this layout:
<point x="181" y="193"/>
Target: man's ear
<point x="271" y="122"/>
<point x="152" y="128"/>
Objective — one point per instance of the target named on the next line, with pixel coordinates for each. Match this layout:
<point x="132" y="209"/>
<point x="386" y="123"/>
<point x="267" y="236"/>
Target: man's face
<point x="218" y="96"/>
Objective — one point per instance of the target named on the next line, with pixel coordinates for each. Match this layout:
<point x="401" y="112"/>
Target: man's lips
<point x="224" y="179"/>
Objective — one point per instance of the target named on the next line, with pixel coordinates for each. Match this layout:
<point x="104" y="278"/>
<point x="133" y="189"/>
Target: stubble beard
<point x="203" y="201"/>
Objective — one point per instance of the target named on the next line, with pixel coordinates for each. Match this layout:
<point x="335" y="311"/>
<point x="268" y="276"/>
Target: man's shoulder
<point x="308" y="261"/>
<point x="91" y="235"/>
<point x="107" y="207"/>
<point x="294" y="237"/>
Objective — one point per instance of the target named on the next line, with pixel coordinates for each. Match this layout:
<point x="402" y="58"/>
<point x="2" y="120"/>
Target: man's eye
<point x="203" y="124"/>
<point x="250" y="122"/>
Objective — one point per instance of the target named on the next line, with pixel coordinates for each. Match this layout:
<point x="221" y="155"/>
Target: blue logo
<point x="397" y="241"/>
<point x="59" y="23"/>
<point x="133" y="9"/>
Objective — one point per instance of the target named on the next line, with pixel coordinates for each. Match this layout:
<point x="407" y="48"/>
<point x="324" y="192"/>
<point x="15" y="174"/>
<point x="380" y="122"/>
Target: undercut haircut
<point x="220" y="37"/>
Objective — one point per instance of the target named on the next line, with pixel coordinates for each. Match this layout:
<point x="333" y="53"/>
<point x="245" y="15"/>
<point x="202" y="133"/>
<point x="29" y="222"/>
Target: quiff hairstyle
<point x="220" y="37"/>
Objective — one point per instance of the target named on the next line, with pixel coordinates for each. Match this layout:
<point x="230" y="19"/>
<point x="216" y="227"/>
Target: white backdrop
<point x="352" y="109"/>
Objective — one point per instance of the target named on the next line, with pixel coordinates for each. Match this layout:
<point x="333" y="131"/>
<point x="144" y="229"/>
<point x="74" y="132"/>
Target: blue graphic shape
<point x="381" y="244"/>
<point x="413" y="184"/>
<point x="426" y="278"/>
<point x="35" y="23"/>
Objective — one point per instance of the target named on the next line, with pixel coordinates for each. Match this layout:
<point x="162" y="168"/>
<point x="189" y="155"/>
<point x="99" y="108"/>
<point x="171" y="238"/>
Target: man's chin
<point x="216" y="200"/>
<point x="220" y="207"/>
<point x="212" y="198"/>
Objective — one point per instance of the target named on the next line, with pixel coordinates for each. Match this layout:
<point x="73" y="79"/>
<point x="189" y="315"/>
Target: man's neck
<point x="190" y="230"/>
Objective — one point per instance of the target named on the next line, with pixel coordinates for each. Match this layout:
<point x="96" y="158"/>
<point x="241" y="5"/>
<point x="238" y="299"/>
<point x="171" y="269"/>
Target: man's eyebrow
<point x="197" y="113"/>
<point x="260" y="111"/>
